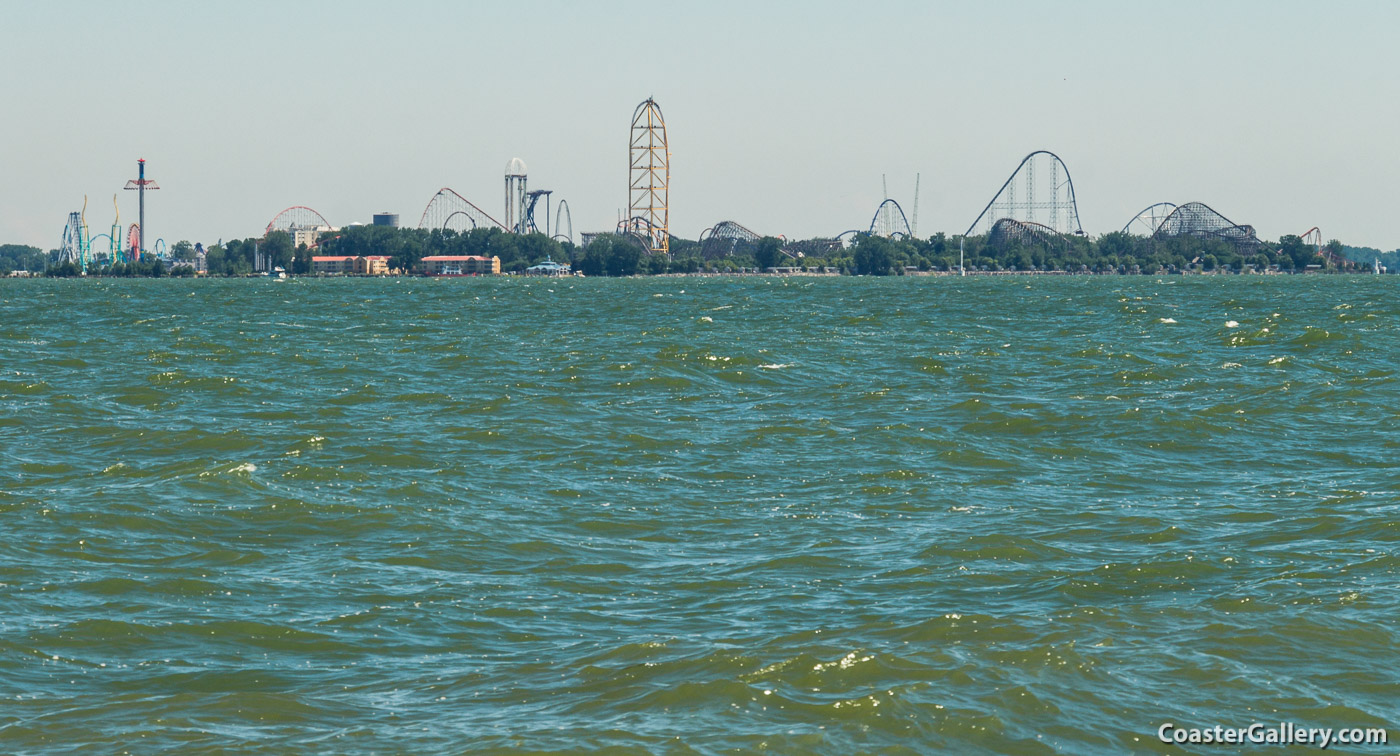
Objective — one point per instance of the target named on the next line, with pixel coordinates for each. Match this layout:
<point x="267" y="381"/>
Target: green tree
<point x="277" y="249"/>
<point x="1299" y="253"/>
<point x="216" y="261"/>
<point x="768" y="253"/>
<point x="655" y="265"/>
<point x="592" y="260"/>
<point x="63" y="270"/>
<point x="873" y="256"/>
<point x="22" y="257"/>
<point x="626" y="258"/>
<point x="301" y="261"/>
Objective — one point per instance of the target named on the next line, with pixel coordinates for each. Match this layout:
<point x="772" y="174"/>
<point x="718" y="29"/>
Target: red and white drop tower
<point x="141" y="184"/>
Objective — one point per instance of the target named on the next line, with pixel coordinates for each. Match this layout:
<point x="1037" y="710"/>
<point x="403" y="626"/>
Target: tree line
<point x="618" y="255"/>
<point x="21" y="257"/>
<point x="1115" y="252"/>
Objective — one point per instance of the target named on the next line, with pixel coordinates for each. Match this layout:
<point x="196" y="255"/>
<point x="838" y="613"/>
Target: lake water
<point x="702" y="515"/>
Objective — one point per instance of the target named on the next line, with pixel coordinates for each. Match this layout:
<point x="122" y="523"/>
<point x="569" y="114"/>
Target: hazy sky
<point x="781" y="115"/>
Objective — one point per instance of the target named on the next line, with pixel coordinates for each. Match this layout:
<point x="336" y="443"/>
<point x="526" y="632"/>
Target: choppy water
<point x="694" y="516"/>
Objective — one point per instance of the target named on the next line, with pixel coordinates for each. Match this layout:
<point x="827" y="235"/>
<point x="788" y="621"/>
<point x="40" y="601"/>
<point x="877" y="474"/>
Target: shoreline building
<point x="332" y="265"/>
<point x="198" y="262"/>
<point x="371" y="265"/>
<point x="307" y="235"/>
<point x="550" y="268"/>
<point x="342" y="265"/>
<point x="460" y="265"/>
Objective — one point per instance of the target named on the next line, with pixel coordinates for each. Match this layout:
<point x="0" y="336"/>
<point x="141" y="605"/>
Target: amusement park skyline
<point x="789" y="118"/>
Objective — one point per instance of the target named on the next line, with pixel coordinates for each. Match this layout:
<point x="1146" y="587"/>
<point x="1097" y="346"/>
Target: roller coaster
<point x="889" y="221"/>
<point x="73" y="248"/>
<point x="448" y="209"/>
<point x="1039" y="191"/>
<point x="1165" y="220"/>
<point x="76" y="246"/>
<point x="110" y="246"/>
<point x="296" y="217"/>
<point x="1145" y="223"/>
<point x="728" y="238"/>
<point x="563" y="219"/>
<point x="725" y="239"/>
<point x="1008" y="232"/>
<point x="1200" y="220"/>
<point x="114" y="237"/>
<point x="819" y="247"/>
<point x="649" y="179"/>
<point x="642" y="231"/>
<point x="1313" y="238"/>
<point x="533" y="198"/>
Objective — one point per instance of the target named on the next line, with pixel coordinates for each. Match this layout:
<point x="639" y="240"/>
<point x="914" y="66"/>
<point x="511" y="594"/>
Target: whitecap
<point x="1166" y="320"/>
<point x="1232" y="324"/>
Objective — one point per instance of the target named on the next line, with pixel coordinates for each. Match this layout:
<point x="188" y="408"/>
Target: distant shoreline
<point x="988" y="273"/>
<point x="744" y="274"/>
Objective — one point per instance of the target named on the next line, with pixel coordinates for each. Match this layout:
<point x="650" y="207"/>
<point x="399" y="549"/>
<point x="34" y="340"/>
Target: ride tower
<point x="517" y="212"/>
<point x="140" y="184"/>
<point x="649" y="178"/>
